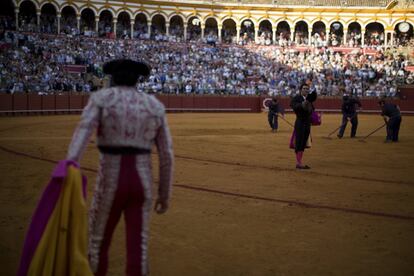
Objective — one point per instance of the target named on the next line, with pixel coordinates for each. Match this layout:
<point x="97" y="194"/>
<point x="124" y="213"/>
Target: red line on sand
<point x="292" y="202"/>
<point x="293" y="170"/>
<point x="298" y="203"/>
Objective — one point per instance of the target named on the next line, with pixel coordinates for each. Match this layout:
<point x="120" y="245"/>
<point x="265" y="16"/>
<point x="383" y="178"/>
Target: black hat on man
<point x="125" y="72"/>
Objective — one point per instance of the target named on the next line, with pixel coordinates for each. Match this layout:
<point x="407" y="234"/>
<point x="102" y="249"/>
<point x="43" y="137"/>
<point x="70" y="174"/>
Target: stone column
<point x="16" y="13"/>
<point x="58" y="16"/>
<point x="132" y="28"/>
<point x="310" y="37"/>
<point x="114" y="23"/>
<point x="386" y="39"/>
<point x="238" y="28"/>
<point x="167" y="29"/>
<point x="38" y="20"/>
<point x="327" y="32"/>
<point x="256" y="34"/>
<point x="363" y="38"/>
<point x="219" y="28"/>
<point x="345" y="34"/>
<point x="274" y="29"/>
<point x="392" y="39"/>
<point x="149" y="29"/>
<point x="203" y="27"/>
<point x="78" y="18"/>
<point x="97" y="25"/>
<point x="185" y="31"/>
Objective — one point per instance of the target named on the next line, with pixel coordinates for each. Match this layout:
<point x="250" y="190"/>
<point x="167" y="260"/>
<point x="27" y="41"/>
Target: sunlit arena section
<point x="361" y="45"/>
<point x="290" y="123"/>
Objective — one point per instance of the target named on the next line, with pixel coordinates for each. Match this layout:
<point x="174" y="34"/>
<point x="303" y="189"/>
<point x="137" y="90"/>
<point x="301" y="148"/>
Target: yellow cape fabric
<point x="62" y="249"/>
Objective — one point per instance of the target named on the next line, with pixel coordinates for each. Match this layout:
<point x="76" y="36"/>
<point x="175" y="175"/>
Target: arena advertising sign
<point x="75" y="69"/>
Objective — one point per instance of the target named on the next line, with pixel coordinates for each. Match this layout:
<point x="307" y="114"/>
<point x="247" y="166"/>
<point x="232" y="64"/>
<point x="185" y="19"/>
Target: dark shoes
<point x="302" y="167"/>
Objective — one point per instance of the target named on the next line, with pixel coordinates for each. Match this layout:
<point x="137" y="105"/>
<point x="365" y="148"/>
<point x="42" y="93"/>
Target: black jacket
<point x="303" y="111"/>
<point x="390" y="110"/>
<point x="349" y="106"/>
<point x="275" y="107"/>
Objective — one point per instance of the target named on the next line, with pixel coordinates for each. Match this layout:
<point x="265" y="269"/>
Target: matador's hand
<point x="161" y="206"/>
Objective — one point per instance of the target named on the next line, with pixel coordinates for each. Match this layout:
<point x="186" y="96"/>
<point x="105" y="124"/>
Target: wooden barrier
<point x="406" y="92"/>
<point x="20" y="102"/>
<point x="85" y="99"/>
<point x="6" y="102"/>
<point x="200" y="102"/>
<point x="206" y="103"/>
<point x="34" y="102"/>
<point x="62" y="102"/>
<point x="163" y="99"/>
<point x="48" y="103"/>
<point x="330" y="104"/>
<point x="187" y="102"/>
<point x="74" y="103"/>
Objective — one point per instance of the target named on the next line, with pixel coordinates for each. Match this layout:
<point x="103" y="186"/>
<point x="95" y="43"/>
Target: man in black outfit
<point x="302" y="106"/>
<point x="272" y="116"/>
<point x="392" y="117"/>
<point x="349" y="113"/>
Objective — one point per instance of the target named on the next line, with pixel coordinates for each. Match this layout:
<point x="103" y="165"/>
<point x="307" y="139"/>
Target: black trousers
<point x="272" y="118"/>
<point x="393" y="128"/>
<point x="302" y="130"/>
<point x="354" y="123"/>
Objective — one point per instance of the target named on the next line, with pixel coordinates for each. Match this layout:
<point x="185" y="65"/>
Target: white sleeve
<point x="163" y="142"/>
<point x="89" y="121"/>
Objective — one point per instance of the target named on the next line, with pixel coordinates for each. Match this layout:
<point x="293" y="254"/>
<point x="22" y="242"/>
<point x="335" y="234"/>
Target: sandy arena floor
<point x="239" y="206"/>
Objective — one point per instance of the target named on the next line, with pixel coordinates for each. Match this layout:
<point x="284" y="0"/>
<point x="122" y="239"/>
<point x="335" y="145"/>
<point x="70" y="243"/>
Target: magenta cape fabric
<point x="43" y="212"/>
<point x="316" y="118"/>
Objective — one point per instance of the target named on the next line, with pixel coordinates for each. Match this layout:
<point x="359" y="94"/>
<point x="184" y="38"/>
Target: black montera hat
<point x="126" y="65"/>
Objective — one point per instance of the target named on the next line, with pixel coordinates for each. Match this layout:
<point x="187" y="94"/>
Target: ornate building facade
<point x="365" y="22"/>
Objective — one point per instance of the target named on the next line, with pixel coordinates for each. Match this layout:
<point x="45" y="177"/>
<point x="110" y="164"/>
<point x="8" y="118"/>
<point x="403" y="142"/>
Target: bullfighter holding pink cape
<point x="128" y="123"/>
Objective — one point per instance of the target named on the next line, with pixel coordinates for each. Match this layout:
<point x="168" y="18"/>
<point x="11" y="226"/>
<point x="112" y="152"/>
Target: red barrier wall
<point x="62" y="102"/>
<point x="406" y="92"/>
<point x="227" y="102"/>
<point x="174" y="102"/>
<point x="75" y="102"/>
<point x="27" y="103"/>
<point x="6" y="102"/>
<point x="34" y="102"/>
<point x="48" y="102"/>
<point x="369" y="105"/>
<point x="20" y="102"/>
<point x="200" y="102"/>
<point x="85" y="99"/>
<point x="213" y="102"/>
<point x="163" y="99"/>
<point x="187" y="102"/>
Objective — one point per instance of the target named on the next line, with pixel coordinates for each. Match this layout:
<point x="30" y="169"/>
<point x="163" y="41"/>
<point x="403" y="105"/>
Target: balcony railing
<point x="328" y="3"/>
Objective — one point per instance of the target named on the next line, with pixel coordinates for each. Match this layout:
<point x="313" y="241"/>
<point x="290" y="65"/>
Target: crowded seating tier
<point x="48" y="63"/>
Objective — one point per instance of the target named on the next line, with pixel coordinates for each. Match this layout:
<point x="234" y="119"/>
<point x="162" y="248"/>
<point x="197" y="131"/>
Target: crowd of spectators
<point x="36" y="62"/>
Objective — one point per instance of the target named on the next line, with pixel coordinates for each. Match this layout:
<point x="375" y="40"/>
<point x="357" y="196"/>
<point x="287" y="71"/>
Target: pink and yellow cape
<point x="56" y="242"/>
